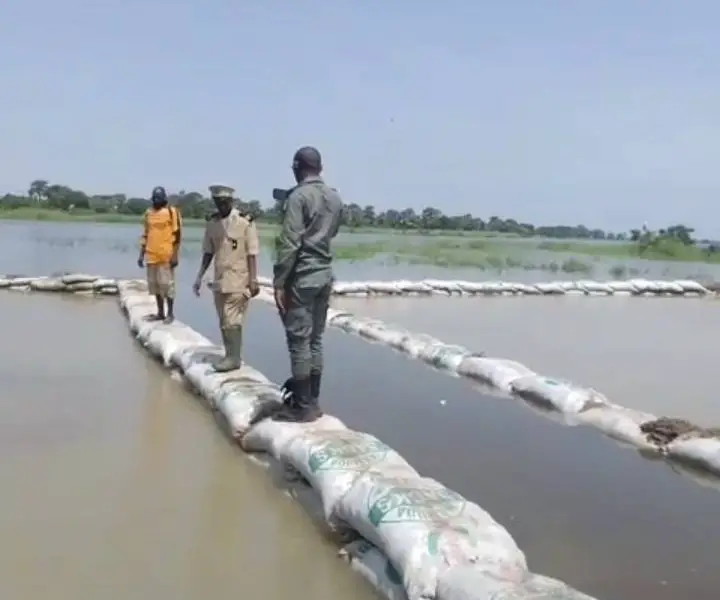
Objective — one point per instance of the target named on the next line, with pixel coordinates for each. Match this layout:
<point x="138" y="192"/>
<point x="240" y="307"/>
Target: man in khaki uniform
<point x="230" y="240"/>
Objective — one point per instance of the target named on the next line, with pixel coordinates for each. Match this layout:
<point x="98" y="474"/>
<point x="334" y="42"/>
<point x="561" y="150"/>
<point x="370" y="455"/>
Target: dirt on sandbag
<point x="665" y="430"/>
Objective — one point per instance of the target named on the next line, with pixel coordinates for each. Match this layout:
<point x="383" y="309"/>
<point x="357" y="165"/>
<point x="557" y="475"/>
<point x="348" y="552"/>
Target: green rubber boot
<point x="232" y="339"/>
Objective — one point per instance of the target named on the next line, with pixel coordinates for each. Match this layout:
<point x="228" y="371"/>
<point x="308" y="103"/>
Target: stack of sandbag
<point x="238" y="395"/>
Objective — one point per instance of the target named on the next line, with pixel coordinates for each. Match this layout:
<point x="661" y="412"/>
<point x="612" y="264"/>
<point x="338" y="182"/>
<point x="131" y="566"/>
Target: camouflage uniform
<point x="230" y="240"/>
<point x="303" y="268"/>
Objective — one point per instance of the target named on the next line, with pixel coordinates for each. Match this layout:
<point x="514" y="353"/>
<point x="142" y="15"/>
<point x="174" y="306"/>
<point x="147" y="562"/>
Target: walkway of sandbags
<point x="451" y="548"/>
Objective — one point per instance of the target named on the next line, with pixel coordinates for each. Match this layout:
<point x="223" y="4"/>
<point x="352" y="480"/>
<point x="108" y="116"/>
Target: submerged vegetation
<point x="404" y="236"/>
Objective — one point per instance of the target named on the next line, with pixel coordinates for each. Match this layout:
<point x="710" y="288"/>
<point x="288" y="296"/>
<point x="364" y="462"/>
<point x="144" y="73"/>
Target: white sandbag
<point x="47" y="284"/>
<point x="272" y="436"/>
<point x="550" y="288"/>
<point x="386" y="335"/>
<point x="80" y="286"/>
<point x="470" y="583"/>
<point x="692" y="286"/>
<point x="72" y="278"/>
<point x="594" y="287"/>
<point x="103" y="282"/>
<point x="446" y="286"/>
<point x="374" y="567"/>
<point x="526" y="289"/>
<point x="108" y="290"/>
<point x="444" y="356"/>
<point x="414" y="344"/>
<point x="700" y="452"/>
<point x="332" y="459"/>
<point x="559" y="395"/>
<point x="349" y="287"/>
<point x="240" y="402"/>
<point x="383" y="287"/>
<point x="619" y="423"/>
<point x="670" y="287"/>
<point x="424" y="528"/>
<point x="495" y="372"/>
<point x="415" y="287"/>
<point x="21" y="282"/>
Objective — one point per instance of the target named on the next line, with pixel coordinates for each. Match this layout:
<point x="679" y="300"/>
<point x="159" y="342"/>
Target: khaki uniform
<point x="231" y="240"/>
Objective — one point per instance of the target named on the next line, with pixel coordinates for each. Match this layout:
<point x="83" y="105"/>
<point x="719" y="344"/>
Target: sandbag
<point x="703" y="452"/>
<point x="413" y="344"/>
<point x="496" y="372"/>
<point x="80" y="286"/>
<point x="47" y="284"/>
<point x="424" y="528"/>
<point x="272" y="436"/>
<point x="373" y="566"/>
<point x="73" y="278"/>
<point x="619" y="423"/>
<point x="557" y="394"/>
<point x="240" y="402"/>
<point x="471" y="583"/>
<point x="332" y="459"/>
<point x="444" y="356"/>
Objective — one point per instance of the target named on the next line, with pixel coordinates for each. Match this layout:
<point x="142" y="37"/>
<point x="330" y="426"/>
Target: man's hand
<point x="174" y="261"/>
<point x="141" y="261"/>
<point x="196" y="286"/>
<point x="281" y="301"/>
<point x="254" y="288"/>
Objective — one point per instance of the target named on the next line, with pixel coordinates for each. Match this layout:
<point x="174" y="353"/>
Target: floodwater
<point x="653" y="354"/>
<point x="116" y="484"/>
<point x="114" y="477"/>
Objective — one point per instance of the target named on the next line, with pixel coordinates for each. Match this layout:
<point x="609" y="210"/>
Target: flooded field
<point x="117" y="484"/>
<point x="125" y="486"/>
<point x="650" y="354"/>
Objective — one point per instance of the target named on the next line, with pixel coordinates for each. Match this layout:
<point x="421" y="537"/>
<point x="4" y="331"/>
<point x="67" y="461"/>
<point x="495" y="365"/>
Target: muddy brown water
<point x="115" y="480"/>
<point x="117" y="484"/>
<point x="653" y="354"/>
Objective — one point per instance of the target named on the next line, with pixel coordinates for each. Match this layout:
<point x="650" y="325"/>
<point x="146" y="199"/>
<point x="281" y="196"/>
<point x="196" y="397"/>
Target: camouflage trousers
<point x="304" y="321"/>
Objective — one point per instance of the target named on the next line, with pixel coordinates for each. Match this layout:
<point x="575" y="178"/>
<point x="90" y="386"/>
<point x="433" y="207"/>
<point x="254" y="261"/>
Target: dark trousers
<point x="304" y="322"/>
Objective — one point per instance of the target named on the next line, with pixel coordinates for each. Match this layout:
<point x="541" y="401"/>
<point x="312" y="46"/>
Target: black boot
<point x="298" y="403"/>
<point x="315" y="379"/>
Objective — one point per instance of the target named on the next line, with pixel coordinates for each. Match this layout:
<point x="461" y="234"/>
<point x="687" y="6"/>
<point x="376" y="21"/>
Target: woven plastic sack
<point x="374" y="567"/>
<point x="495" y="372"/>
<point x="273" y="436"/>
<point x="559" y="395"/>
<point x="470" y="583"/>
<point x="331" y="460"/>
<point x="424" y="528"/>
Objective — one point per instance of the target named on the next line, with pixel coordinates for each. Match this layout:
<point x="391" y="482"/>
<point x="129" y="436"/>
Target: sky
<point x="600" y="112"/>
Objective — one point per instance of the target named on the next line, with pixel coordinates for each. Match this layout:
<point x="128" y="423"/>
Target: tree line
<point x="43" y="194"/>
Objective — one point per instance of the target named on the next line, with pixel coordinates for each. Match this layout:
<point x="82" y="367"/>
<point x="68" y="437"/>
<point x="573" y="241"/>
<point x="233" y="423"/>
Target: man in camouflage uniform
<point x="230" y="240"/>
<point x="303" y="280"/>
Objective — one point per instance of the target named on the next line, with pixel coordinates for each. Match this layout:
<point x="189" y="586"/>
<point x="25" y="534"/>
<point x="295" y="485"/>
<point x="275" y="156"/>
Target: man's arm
<point x="177" y="233"/>
<point x="208" y="253"/>
<point x="252" y="249"/>
<point x="288" y="242"/>
<point x="143" y="239"/>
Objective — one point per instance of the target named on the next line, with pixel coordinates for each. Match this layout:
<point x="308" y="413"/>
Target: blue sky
<point x="605" y="113"/>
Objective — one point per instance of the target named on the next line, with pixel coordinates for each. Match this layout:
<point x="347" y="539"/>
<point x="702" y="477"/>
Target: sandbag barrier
<point x="407" y="535"/>
<point x="684" y="288"/>
<point x="74" y="283"/>
<point x="693" y="447"/>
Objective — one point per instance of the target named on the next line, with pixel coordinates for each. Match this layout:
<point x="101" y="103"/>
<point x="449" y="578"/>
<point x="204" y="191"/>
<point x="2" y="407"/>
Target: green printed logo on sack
<point x="406" y="504"/>
<point x="346" y="451"/>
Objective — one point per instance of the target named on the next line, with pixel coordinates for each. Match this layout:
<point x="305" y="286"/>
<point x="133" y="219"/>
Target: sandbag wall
<point x="687" y="444"/>
<point x="408" y="535"/>
<point x="428" y="287"/>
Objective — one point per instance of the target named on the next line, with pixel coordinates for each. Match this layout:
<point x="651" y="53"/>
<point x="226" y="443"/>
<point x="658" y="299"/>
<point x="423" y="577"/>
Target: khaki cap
<point x="221" y="191"/>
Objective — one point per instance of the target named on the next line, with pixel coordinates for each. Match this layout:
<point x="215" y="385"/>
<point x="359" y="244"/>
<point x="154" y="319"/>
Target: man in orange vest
<point x="159" y="249"/>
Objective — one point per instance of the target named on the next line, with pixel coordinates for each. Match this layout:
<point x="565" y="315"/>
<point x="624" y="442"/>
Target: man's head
<point x="159" y="197"/>
<point x="307" y="162"/>
<point x="222" y="195"/>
